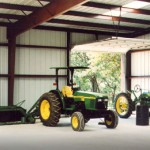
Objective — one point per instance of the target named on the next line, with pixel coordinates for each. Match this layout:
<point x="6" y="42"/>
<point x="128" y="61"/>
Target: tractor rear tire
<point x="77" y="121"/>
<point x="124" y="105"/>
<point x="50" y="109"/>
<point x="111" y="119"/>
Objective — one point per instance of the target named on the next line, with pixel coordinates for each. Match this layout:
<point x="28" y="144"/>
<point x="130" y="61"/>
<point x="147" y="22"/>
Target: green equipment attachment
<point x="15" y="114"/>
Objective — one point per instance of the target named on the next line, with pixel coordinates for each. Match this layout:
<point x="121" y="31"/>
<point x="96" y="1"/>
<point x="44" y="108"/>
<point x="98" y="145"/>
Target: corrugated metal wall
<point x="36" y="61"/>
<point x="81" y="38"/>
<point x="140" y="66"/>
<point x="3" y="68"/>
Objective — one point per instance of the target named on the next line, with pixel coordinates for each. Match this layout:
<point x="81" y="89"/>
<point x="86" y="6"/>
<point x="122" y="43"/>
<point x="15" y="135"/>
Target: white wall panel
<point x="38" y="61"/>
<point x="3" y="35"/>
<point x="102" y="37"/>
<point x="82" y="38"/>
<point x="140" y="66"/>
<point x="3" y="68"/>
<point x="43" y="38"/>
<point x="146" y="36"/>
<point x="140" y="63"/>
<point x="3" y="92"/>
<point x="3" y="60"/>
<point x="30" y="89"/>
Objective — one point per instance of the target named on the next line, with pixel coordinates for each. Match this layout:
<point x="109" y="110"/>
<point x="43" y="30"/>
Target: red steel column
<point x="68" y="55"/>
<point x="11" y="69"/>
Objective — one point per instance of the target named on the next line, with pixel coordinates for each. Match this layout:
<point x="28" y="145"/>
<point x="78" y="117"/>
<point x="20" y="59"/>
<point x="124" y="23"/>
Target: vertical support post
<point x="128" y="70"/>
<point x="96" y="36"/>
<point x="68" y="56"/>
<point x="123" y="89"/>
<point x="11" y="68"/>
<point x="57" y="80"/>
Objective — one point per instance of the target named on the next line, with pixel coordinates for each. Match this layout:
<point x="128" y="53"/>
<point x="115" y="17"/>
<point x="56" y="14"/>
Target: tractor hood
<point x="90" y="94"/>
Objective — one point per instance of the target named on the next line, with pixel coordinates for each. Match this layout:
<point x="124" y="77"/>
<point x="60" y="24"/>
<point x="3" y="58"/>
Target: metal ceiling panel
<point x="85" y="9"/>
<point x="136" y="25"/>
<point x="90" y="9"/>
<point x="136" y="16"/>
<point x="116" y="2"/>
<point x="14" y="12"/>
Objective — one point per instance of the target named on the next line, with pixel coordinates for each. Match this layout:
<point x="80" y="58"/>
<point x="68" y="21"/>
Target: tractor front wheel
<point x="123" y="105"/>
<point x="111" y="119"/>
<point x="77" y="121"/>
<point x="50" y="108"/>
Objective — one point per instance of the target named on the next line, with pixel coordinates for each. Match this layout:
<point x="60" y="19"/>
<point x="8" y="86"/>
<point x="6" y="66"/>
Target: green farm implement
<point x="125" y="105"/>
<point x="17" y="115"/>
<point x="81" y="106"/>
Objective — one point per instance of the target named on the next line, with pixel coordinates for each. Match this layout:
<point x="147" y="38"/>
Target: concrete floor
<point x="127" y="136"/>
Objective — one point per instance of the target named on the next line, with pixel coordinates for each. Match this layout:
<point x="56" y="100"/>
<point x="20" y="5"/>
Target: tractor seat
<point x="67" y="91"/>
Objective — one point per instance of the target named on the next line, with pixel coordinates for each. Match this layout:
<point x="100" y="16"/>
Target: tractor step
<point x="101" y="123"/>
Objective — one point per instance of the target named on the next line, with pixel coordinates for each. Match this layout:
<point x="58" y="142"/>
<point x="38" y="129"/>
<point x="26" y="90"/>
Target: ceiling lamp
<point x="136" y="4"/>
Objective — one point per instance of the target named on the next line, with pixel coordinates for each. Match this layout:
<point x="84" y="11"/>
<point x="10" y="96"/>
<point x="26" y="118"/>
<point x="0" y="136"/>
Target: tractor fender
<point x="60" y="96"/>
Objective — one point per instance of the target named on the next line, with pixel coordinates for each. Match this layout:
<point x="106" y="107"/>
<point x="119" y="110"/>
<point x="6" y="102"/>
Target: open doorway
<point x="104" y="75"/>
<point x="108" y="66"/>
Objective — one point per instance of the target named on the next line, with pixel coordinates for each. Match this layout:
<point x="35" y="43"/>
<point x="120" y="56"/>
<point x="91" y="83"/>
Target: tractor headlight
<point x="102" y="100"/>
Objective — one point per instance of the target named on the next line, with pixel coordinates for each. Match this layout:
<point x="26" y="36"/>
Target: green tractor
<point x="81" y="106"/>
<point x="124" y="105"/>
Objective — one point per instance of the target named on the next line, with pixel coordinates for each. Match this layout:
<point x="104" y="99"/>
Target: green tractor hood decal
<point x="145" y="94"/>
<point x="90" y="95"/>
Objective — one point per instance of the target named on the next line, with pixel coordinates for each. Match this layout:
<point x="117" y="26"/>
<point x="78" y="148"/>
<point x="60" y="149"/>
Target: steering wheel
<point x="137" y="88"/>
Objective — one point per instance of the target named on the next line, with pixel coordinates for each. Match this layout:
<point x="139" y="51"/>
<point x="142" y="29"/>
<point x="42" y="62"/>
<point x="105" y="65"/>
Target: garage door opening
<point x="106" y="58"/>
<point x="104" y="75"/>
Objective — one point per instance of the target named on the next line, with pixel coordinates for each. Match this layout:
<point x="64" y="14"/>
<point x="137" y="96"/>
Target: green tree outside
<point x="104" y="75"/>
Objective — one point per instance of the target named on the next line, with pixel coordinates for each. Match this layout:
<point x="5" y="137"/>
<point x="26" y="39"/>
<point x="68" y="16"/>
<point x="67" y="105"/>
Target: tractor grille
<point x="101" y="104"/>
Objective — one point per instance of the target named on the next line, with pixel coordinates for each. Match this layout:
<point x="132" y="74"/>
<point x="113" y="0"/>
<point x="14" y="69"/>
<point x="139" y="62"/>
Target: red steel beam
<point x="144" y="1"/>
<point x="138" y="77"/>
<point x="97" y="25"/>
<point x="38" y="76"/>
<point x="35" y="46"/>
<point x="51" y="10"/>
<point x="87" y="31"/>
<point x="4" y="75"/>
<point x="18" y="7"/>
<point x="106" y="17"/>
<point x="140" y="33"/>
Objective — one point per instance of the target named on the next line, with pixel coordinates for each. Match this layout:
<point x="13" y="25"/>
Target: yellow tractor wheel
<point x="123" y="105"/>
<point x="50" y="108"/>
<point x="111" y="119"/>
<point x="77" y="121"/>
